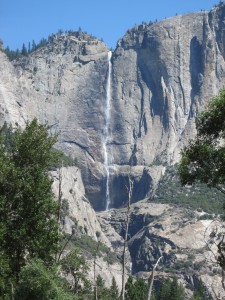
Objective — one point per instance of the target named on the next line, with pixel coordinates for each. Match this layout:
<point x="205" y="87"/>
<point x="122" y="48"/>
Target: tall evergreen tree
<point x="102" y="291"/>
<point x="114" y="291"/>
<point x="34" y="46"/>
<point x="136" y="290"/>
<point x="201" y="292"/>
<point x="24" y="50"/>
<point x="74" y="265"/>
<point x="28" y="227"/>
<point x="164" y="290"/>
<point x="176" y="290"/>
<point x="171" y="290"/>
<point x="39" y="282"/>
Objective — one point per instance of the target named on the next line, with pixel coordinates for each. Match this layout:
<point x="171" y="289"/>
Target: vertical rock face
<point x="162" y="75"/>
<point x="11" y="103"/>
<point x="64" y="84"/>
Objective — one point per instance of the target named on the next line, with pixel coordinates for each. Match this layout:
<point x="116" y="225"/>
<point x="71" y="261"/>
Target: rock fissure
<point x="82" y="147"/>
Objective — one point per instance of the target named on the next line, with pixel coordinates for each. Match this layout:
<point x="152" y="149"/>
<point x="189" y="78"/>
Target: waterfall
<point x="106" y="129"/>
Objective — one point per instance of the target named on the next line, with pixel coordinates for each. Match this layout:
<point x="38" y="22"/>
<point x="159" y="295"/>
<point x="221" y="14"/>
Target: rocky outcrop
<point x="77" y="210"/>
<point x="162" y="75"/>
<point x="80" y="215"/>
<point x="182" y="236"/>
<point x="185" y="239"/>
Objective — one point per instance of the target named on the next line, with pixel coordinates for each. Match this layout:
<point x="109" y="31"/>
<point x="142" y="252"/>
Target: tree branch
<point x="130" y="190"/>
<point x="151" y="278"/>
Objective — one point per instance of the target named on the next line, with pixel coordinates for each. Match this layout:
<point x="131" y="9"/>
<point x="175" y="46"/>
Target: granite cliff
<point x="183" y="237"/>
<point x="161" y="75"/>
<point x="125" y="114"/>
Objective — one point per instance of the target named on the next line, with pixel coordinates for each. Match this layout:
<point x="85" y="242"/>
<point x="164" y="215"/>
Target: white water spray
<point x="106" y="129"/>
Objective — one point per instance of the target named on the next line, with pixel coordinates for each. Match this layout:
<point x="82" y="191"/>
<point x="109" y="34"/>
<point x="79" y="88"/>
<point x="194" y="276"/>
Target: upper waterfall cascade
<point x="107" y="158"/>
<point x="133" y="107"/>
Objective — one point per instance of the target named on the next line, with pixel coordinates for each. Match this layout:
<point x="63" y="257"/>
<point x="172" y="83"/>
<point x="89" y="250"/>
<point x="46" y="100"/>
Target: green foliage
<point x="114" y="291"/>
<point x="60" y="159"/>
<point x="171" y="290"/>
<point x="64" y="208"/>
<point x="74" y="265"/>
<point x="25" y="51"/>
<point x="17" y="54"/>
<point x="38" y="282"/>
<point x="106" y="294"/>
<point x="201" y="292"/>
<point x="197" y="196"/>
<point x="164" y="289"/>
<point x="57" y="158"/>
<point x="28" y="220"/>
<point x="12" y="54"/>
<point x="87" y="245"/>
<point x="102" y="291"/>
<point x="136" y="290"/>
<point x="5" y="277"/>
<point x="27" y="207"/>
<point x="176" y="290"/>
<point x="204" y="159"/>
<point x="168" y="290"/>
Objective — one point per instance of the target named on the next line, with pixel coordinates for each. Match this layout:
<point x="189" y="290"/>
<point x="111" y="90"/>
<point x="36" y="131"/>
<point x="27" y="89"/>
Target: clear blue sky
<point x="27" y="20"/>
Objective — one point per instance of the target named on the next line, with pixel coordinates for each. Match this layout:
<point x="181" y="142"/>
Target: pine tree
<point x="171" y="290"/>
<point x="74" y="265"/>
<point x="102" y="291"/>
<point x="201" y="292"/>
<point x="34" y="46"/>
<point x="41" y="282"/>
<point x="114" y="291"/>
<point x="153" y="295"/>
<point x="164" y="290"/>
<point x="129" y="289"/>
<point x="136" y="290"/>
<point x="24" y="50"/>
<point x="28" y="227"/>
<point x="176" y="290"/>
